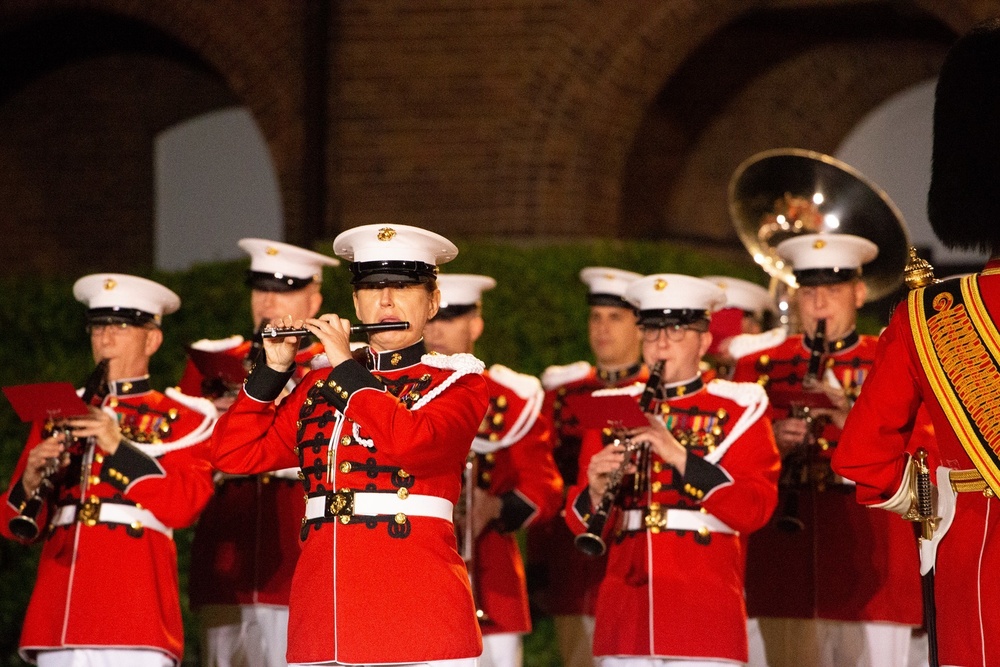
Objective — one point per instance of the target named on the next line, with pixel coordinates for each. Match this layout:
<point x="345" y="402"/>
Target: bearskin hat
<point x="963" y="204"/>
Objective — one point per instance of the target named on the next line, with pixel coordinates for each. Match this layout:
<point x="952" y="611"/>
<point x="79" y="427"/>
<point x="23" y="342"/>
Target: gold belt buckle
<point x="89" y="512"/>
<point x="655" y="519"/>
<point x="340" y="504"/>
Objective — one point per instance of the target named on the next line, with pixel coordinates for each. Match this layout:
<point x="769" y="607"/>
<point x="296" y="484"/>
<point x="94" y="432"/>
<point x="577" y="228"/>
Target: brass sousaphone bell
<point x="784" y="192"/>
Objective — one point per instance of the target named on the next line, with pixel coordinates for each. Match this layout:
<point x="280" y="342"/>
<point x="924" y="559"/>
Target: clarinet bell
<point x="790" y="524"/>
<point x="590" y="544"/>
<point x="23" y="527"/>
<point x="789" y="521"/>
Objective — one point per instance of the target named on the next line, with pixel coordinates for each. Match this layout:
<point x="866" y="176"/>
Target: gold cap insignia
<point x="660" y="285"/>
<point x="386" y="234"/>
<point x="110" y="284"/>
<point x="271" y="250"/>
<point x="819" y="244"/>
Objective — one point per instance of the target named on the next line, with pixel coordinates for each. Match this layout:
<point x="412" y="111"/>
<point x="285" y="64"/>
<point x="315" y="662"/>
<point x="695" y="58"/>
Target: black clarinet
<point x="817" y="349"/>
<point x="591" y="541"/>
<point x="25" y="524"/>
<point x="256" y="345"/>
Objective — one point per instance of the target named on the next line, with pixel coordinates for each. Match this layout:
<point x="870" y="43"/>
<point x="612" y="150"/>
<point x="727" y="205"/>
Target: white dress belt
<point x="94" y="513"/>
<point x="675" y="519"/>
<point x="375" y="504"/>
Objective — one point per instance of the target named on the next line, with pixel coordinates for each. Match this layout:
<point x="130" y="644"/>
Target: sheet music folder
<point x="599" y="411"/>
<point x="45" y="400"/>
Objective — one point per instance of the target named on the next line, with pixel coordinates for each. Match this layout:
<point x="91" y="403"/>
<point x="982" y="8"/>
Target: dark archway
<point x="792" y="77"/>
<point x="82" y="97"/>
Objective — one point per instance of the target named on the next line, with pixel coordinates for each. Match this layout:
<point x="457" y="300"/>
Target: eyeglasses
<point x="675" y="332"/>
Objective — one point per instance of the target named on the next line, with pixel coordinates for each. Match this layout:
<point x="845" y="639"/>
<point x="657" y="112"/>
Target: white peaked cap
<point x="463" y="289"/>
<point x="826" y="251"/>
<point x="121" y="295"/>
<point x="743" y="294"/>
<point x="380" y="252"/>
<point x="605" y="280"/>
<point x="283" y="259"/>
<point x="670" y="293"/>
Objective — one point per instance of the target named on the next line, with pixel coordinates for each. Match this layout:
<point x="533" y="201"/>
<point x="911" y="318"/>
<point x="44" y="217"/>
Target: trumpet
<point x="25" y="524"/>
<point x="591" y="541"/>
<point x="376" y="327"/>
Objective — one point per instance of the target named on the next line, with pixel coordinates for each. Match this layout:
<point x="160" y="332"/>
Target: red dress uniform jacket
<point x="674" y="582"/>
<point x="844" y="563"/>
<point x="514" y="463"/>
<point x="107" y="576"/>
<point x="878" y="433"/>
<point x="564" y="580"/>
<point x="382" y="445"/>
<point x="246" y="542"/>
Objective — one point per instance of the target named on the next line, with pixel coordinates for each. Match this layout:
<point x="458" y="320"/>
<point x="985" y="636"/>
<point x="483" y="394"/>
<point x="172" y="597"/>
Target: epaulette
<point x="556" y="376"/>
<point x="461" y="363"/>
<point x="634" y="389"/>
<point x="747" y="344"/>
<point x="741" y="393"/>
<point x="202" y="406"/>
<point x="319" y="361"/>
<point x="217" y="345"/>
<point x="527" y="388"/>
<point x="747" y="394"/>
<point x="196" y="403"/>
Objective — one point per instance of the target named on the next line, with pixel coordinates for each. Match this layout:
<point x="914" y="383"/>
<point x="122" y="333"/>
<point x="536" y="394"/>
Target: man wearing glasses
<point x="702" y="475"/>
<point x="134" y="470"/>
<point x="563" y="581"/>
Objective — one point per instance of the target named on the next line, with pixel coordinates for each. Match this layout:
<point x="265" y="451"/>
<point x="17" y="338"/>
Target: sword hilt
<point x="924" y="491"/>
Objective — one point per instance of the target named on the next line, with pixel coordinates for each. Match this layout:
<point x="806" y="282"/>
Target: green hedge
<point x="536" y="316"/>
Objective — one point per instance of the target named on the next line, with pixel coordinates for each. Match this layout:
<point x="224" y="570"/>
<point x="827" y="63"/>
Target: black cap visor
<point x="392" y="271"/>
<point x="831" y="276"/>
<point x="116" y="315"/>
<point x="669" y="317"/>
<point x="275" y="282"/>
<point x="598" y="299"/>
<point x="446" y="313"/>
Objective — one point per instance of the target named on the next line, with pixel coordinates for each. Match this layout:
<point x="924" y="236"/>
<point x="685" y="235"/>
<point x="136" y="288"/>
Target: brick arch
<point x="207" y="46"/>
<point x="257" y="50"/>
<point x="591" y="95"/>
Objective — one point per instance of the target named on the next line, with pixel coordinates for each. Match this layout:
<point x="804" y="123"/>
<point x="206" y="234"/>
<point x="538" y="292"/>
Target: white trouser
<point x="635" y="661"/>
<point x="502" y="649"/>
<point x="755" y="643"/>
<point x="460" y="662"/>
<point x="919" y="651"/>
<point x="103" y="657"/>
<point x="793" y="642"/>
<point x="575" y="635"/>
<point x="253" y="635"/>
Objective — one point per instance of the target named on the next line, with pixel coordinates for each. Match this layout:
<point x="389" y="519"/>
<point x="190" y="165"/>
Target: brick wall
<point x="519" y="118"/>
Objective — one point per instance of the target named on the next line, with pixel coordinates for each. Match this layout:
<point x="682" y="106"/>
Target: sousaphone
<point x="784" y="192"/>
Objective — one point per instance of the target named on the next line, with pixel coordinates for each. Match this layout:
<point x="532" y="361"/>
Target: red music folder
<point x="604" y="410"/>
<point x="223" y="365"/>
<point x="45" y="400"/>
